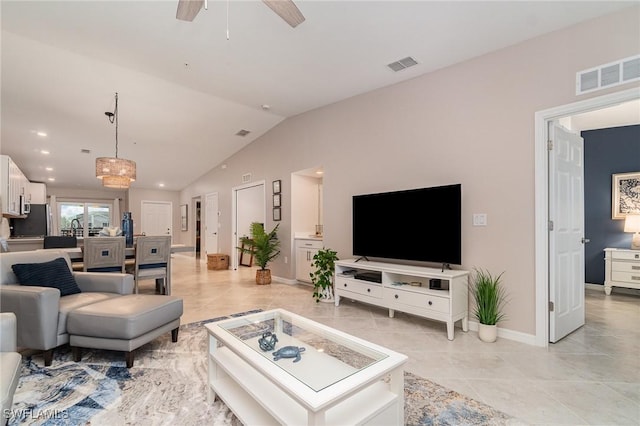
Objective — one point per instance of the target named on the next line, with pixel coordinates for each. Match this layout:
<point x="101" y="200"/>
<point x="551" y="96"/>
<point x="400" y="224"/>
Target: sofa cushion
<point x="54" y="273"/>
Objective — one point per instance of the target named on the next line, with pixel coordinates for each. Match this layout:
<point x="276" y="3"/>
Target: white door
<point x="156" y="218"/>
<point x="248" y="206"/>
<point x="566" y="232"/>
<point x="211" y="223"/>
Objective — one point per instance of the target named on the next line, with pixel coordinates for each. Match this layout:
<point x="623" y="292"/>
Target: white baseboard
<point x="505" y="333"/>
<point x="284" y="280"/>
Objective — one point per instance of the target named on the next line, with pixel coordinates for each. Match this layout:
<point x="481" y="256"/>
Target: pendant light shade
<point x="115" y="172"/>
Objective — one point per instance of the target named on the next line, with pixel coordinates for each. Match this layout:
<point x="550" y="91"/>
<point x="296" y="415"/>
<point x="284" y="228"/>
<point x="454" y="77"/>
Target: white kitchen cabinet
<point x="305" y="250"/>
<point x="37" y="193"/>
<point x="13" y="185"/>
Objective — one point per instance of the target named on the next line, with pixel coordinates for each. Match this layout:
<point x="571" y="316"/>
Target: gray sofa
<point x="41" y="312"/>
<point x="11" y="362"/>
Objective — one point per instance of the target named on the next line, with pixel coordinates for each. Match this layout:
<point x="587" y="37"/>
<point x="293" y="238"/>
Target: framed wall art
<point x="625" y="194"/>
<point x="276" y="214"/>
<point x="276" y="186"/>
<point x="276" y="200"/>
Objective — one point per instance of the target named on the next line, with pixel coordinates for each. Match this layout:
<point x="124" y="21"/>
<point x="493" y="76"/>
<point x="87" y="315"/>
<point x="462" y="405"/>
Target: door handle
<point x="585" y="240"/>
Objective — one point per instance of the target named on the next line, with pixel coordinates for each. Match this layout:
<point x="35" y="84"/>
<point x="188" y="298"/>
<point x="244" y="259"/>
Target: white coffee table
<point x="340" y="379"/>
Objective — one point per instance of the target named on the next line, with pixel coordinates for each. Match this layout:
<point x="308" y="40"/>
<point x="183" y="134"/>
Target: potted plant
<point x="264" y="246"/>
<point x="322" y="278"/>
<point x="490" y="298"/>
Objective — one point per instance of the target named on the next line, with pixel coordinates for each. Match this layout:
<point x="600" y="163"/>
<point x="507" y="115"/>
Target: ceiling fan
<point x="286" y="9"/>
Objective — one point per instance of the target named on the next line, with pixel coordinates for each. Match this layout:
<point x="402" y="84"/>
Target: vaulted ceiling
<point x="185" y="88"/>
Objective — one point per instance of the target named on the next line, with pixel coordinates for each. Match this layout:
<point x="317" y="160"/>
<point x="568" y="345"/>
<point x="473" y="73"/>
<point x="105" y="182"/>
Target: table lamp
<point x="632" y="224"/>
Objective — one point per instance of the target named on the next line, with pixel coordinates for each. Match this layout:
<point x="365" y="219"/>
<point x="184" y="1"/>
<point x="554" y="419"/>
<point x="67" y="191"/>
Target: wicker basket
<point x="217" y="261"/>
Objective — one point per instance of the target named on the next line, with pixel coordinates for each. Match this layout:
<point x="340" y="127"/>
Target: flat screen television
<point x="417" y="225"/>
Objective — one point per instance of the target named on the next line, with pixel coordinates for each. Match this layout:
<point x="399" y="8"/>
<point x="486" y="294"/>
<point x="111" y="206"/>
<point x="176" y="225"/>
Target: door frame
<point x="234" y="210"/>
<point x="542" y="118"/>
<point x="215" y="224"/>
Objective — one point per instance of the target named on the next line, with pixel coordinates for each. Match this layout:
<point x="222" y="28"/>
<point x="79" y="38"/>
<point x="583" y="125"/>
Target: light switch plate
<point x="479" y="219"/>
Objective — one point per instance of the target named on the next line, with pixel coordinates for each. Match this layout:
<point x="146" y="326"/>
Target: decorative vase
<point x="263" y="276"/>
<point x="487" y="333"/>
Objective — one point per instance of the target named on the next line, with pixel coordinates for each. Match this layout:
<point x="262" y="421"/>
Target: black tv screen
<point x="418" y="224"/>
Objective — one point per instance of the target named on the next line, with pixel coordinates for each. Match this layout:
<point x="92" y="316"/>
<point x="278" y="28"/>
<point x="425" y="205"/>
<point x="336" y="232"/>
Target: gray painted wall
<point x="606" y="152"/>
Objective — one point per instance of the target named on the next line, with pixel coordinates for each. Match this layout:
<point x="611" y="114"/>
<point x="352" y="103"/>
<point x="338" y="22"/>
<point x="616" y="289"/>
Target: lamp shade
<point x="118" y="182"/>
<point x="113" y="166"/>
<point x="632" y="223"/>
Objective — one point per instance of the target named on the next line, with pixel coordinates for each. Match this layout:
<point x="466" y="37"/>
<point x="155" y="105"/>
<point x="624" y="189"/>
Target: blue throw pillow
<point x="54" y="274"/>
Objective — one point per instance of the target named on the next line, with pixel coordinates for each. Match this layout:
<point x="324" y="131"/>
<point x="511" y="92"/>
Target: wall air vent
<point x="402" y="64"/>
<point x="85" y="151"/>
<point x="608" y="75"/>
<point x="243" y="132"/>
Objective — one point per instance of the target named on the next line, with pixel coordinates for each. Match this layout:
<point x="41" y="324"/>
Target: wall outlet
<point x="286" y="259"/>
<point x="479" y="219"/>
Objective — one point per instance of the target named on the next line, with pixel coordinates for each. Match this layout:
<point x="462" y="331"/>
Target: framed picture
<point x="276" y="200"/>
<point x="276" y="186"/>
<point x="625" y="194"/>
<point x="183" y="218"/>
<point x="276" y="214"/>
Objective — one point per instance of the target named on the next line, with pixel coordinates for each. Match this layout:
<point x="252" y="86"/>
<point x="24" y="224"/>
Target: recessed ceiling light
<point x="266" y="107"/>
<point x="51" y="179"/>
<point x="161" y="185"/>
<point x="49" y="169"/>
<point x="319" y="172"/>
<point x="43" y="134"/>
<point x="44" y="152"/>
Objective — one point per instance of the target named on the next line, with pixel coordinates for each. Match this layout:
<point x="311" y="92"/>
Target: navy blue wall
<point x="606" y="152"/>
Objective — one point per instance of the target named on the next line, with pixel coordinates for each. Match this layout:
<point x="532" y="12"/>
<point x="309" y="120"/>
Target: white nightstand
<point x="622" y="269"/>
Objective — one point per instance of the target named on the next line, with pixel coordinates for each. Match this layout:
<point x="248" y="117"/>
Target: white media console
<point x="405" y="288"/>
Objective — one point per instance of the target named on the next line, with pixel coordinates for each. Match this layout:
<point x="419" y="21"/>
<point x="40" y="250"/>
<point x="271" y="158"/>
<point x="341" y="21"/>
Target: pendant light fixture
<point x="115" y="172"/>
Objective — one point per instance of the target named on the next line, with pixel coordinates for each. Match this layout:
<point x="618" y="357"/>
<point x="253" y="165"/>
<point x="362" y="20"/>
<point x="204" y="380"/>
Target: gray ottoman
<point x="123" y="323"/>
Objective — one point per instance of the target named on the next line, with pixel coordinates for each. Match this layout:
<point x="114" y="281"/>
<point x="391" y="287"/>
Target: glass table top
<point x="316" y="355"/>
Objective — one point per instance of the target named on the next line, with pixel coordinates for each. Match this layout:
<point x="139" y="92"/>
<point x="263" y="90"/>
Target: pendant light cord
<point x="114" y="117"/>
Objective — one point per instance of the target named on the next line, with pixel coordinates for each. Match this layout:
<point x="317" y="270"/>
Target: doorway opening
<point x="248" y="205"/>
<point x="197" y="208"/>
<point x="542" y="178"/>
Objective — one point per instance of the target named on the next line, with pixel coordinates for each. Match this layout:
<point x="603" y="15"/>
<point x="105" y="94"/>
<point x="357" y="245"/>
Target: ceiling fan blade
<point x="188" y="9"/>
<point x="287" y="10"/>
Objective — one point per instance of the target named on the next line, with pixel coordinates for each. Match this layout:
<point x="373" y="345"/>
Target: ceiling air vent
<point x="608" y="75"/>
<point x="243" y="132"/>
<point x="402" y="64"/>
<point x="85" y="151"/>
<point x="246" y="178"/>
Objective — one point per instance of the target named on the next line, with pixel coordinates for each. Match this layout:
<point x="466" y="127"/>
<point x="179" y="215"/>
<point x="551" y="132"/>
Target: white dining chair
<point x="153" y="261"/>
<point x="103" y="254"/>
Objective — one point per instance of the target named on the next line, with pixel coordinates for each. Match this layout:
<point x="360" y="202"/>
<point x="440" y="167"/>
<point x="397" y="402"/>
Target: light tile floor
<point x="590" y="377"/>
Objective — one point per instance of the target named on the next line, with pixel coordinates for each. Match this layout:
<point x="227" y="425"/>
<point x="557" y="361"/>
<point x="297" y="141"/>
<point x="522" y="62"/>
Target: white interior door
<point x="249" y="206"/>
<point x="566" y="232"/>
<point x="211" y="223"/>
<point x="156" y="218"/>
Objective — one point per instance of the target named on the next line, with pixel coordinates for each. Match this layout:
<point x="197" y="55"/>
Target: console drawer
<point x="360" y="287"/>
<point x="625" y="255"/>
<point x="426" y="301"/>
<point x="633" y="267"/>
<point x="627" y="277"/>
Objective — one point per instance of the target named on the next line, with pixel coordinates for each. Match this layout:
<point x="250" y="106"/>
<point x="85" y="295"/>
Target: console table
<point x="407" y="289"/>
<point x="622" y="269"/>
<point x="338" y="380"/>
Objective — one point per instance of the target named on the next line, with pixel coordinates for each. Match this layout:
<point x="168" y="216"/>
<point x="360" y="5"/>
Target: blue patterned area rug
<point x="167" y="386"/>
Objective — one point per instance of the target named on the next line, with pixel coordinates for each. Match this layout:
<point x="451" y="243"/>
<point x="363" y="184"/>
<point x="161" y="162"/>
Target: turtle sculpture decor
<point x="268" y="341"/>
<point x="288" y="352"/>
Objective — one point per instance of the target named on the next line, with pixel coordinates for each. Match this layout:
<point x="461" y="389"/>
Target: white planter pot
<point x="327" y="295"/>
<point x="487" y="333"/>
